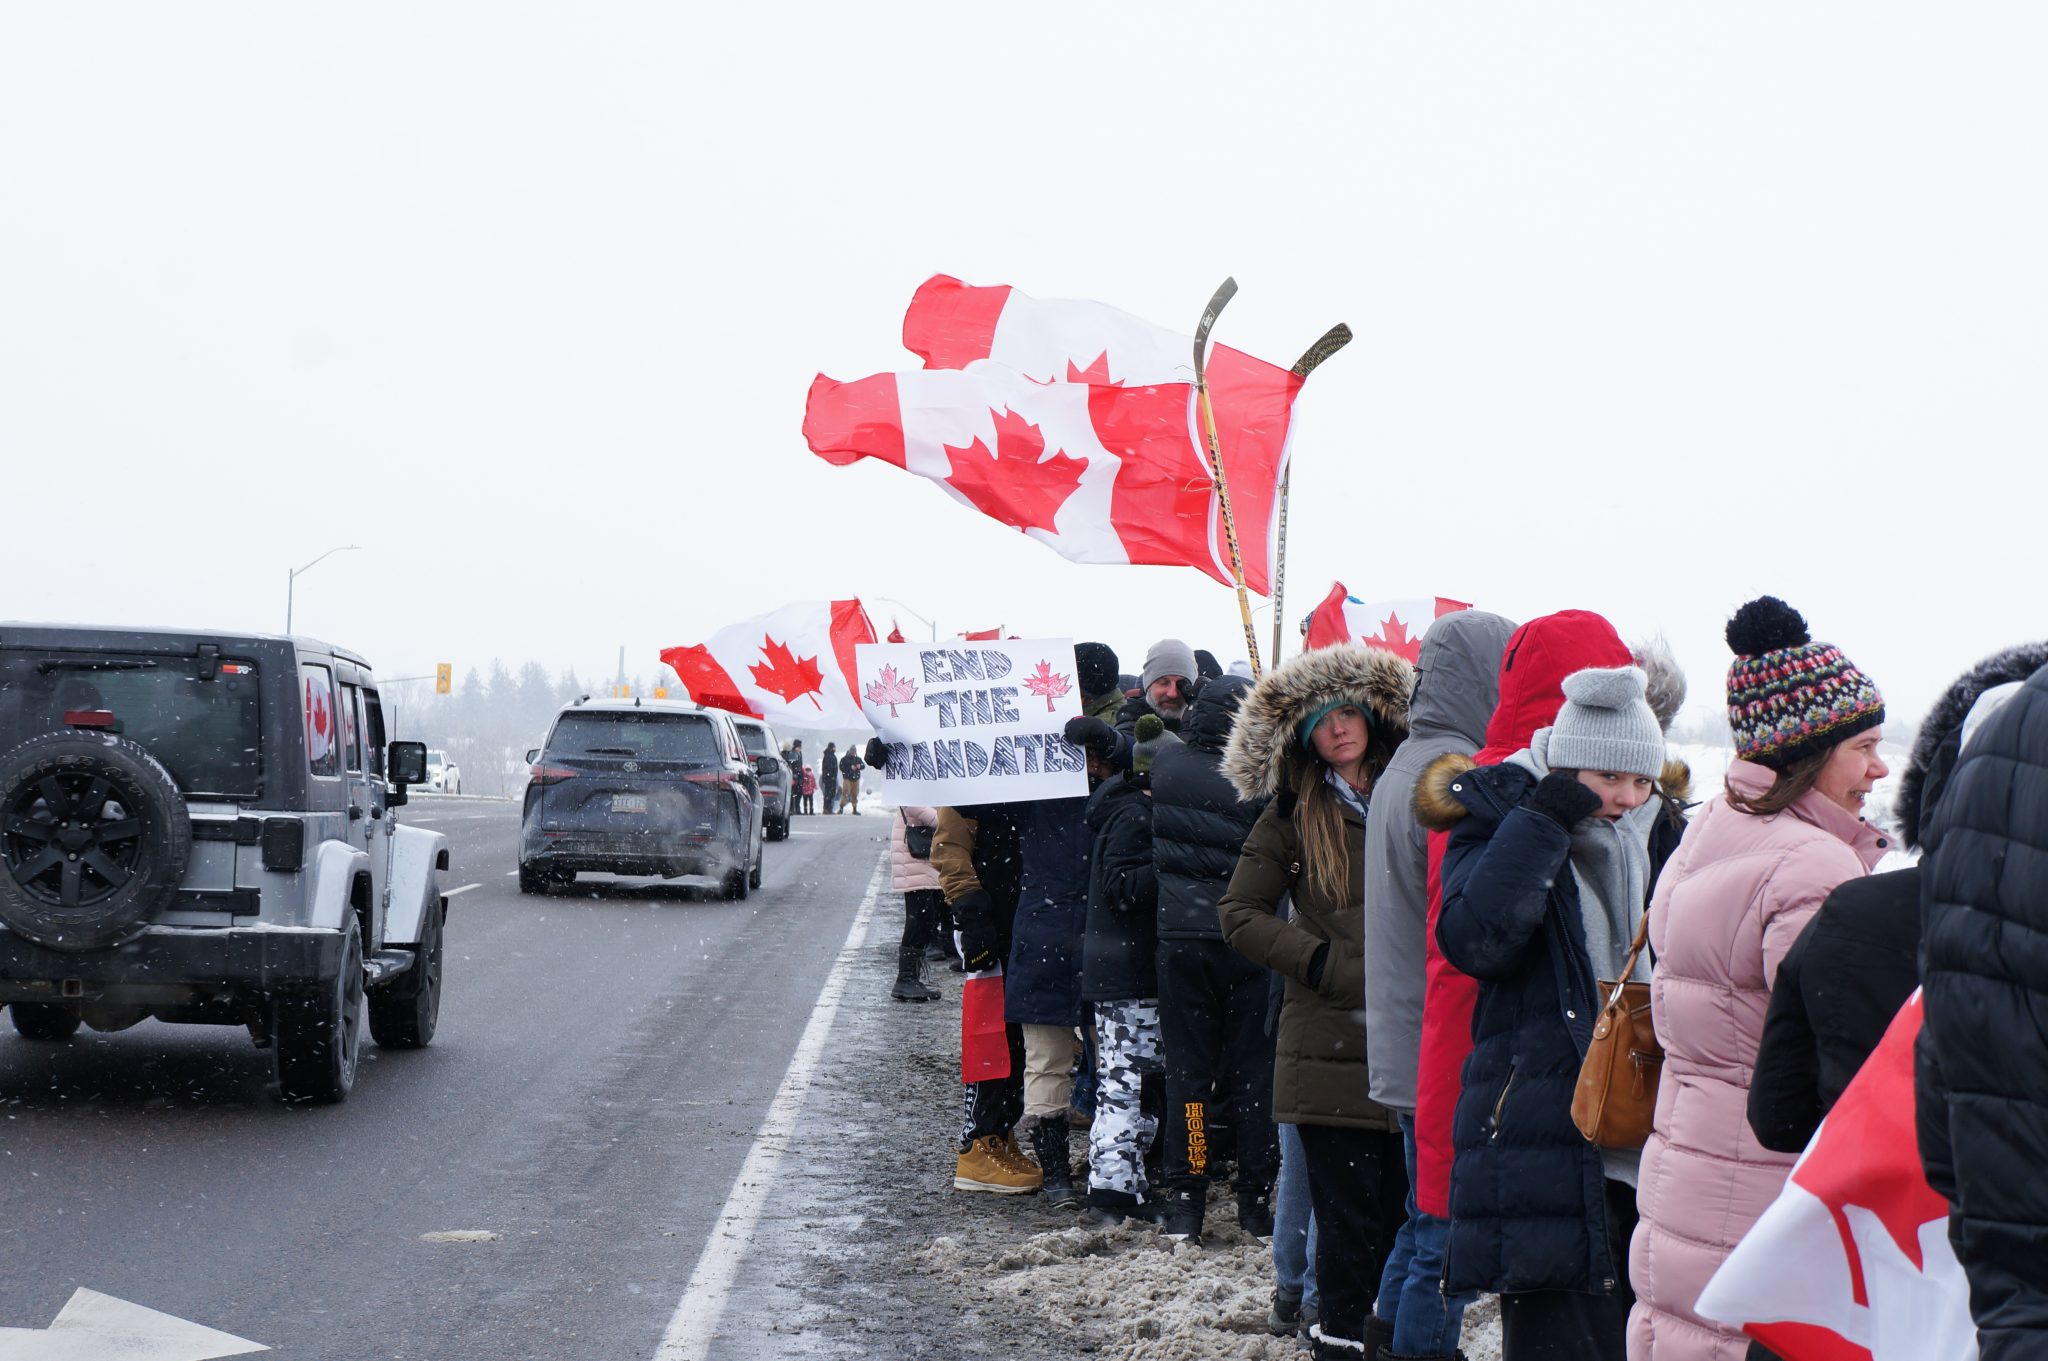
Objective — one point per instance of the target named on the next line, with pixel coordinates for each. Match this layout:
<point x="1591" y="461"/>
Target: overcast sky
<point x="1658" y="307"/>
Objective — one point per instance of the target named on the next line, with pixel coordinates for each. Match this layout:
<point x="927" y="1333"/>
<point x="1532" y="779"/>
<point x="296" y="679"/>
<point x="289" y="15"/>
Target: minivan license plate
<point x="629" y="803"/>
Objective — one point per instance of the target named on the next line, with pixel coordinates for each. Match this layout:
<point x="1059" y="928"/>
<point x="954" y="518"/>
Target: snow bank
<point x="1130" y="1295"/>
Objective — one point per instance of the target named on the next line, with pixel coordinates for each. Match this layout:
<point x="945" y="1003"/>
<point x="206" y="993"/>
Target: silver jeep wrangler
<point x="201" y="827"/>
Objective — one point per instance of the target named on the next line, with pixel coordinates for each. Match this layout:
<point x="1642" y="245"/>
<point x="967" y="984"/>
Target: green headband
<point x="1305" y="730"/>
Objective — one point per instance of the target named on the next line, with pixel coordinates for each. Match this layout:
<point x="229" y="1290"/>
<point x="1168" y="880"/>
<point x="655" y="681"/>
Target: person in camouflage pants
<point x="1127" y="1040"/>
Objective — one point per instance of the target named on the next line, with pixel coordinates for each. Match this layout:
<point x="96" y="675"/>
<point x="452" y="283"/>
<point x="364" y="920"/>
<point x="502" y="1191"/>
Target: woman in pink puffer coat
<point x="1753" y="869"/>
<point x="923" y="903"/>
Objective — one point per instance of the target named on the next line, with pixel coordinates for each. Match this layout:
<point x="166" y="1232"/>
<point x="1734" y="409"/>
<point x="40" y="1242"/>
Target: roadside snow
<point x="1130" y="1295"/>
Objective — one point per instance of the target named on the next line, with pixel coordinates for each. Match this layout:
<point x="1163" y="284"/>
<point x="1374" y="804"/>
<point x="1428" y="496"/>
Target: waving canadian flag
<point x="1395" y="625"/>
<point x="1852" y="1261"/>
<point x="1073" y="423"/>
<point x="794" y="666"/>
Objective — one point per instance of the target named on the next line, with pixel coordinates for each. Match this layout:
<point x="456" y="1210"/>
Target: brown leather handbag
<point x="1616" y="1098"/>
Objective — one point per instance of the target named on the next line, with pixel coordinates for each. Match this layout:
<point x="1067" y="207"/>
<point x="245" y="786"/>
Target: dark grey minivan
<point x="641" y="787"/>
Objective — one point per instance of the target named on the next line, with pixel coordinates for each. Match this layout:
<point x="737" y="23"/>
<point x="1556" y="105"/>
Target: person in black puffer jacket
<point x="1981" y="1079"/>
<point x="1858" y="960"/>
<point x="1120" y="983"/>
<point x="1212" y="999"/>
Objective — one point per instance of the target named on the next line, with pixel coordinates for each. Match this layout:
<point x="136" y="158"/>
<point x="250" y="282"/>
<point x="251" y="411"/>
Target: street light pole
<point x="292" y="577"/>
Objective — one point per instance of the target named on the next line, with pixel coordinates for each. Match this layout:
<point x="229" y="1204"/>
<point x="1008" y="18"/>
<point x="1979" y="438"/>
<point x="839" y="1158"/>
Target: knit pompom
<point x="1766" y="624"/>
<point x="1150" y="726"/>
<point x="1605" y="687"/>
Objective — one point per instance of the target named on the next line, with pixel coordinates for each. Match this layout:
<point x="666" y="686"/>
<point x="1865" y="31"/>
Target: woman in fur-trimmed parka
<point x="1313" y="736"/>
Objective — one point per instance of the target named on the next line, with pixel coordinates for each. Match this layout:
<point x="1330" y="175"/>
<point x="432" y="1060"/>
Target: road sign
<point x="96" y="1327"/>
<point x="444" y="678"/>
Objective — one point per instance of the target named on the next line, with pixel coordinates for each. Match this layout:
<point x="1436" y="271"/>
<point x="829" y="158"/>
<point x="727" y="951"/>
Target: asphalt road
<point x="603" y="1062"/>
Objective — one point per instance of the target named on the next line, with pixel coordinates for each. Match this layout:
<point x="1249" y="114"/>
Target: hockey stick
<point x="1224" y="294"/>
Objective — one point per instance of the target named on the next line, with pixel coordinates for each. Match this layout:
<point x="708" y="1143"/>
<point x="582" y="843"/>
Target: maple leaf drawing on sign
<point x="1048" y="683"/>
<point x="1012" y="484"/>
<point x="891" y="689"/>
<point x="782" y="673"/>
<point x="1395" y="638"/>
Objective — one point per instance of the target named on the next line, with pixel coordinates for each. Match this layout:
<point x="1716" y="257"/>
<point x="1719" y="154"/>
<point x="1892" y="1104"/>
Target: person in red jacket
<point x="1539" y="655"/>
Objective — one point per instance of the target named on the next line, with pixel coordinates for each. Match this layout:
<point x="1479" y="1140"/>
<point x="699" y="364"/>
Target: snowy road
<point x="603" y="1064"/>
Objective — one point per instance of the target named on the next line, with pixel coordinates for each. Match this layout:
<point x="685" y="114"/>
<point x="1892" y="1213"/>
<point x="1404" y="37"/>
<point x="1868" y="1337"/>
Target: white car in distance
<point x="443" y="775"/>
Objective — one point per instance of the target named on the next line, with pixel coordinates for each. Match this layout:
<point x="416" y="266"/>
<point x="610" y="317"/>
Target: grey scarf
<point x="1611" y="866"/>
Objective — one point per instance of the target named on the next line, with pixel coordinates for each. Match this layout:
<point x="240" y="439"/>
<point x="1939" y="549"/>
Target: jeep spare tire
<point x="94" y="839"/>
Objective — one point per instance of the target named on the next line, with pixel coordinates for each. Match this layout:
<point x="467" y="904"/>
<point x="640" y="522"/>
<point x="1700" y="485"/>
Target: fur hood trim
<point x="1437" y="806"/>
<point x="1263" y="755"/>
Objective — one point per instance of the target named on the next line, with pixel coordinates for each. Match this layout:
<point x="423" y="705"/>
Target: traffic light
<point x="444" y="678"/>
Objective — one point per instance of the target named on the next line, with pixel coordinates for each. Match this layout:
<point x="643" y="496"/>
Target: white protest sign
<point x="974" y="722"/>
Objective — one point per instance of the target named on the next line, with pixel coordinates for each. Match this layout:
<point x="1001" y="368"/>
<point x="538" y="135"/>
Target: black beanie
<point x="1096" y="665"/>
<point x="1206" y="665"/>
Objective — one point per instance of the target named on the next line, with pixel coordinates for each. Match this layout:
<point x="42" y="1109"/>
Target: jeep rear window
<point x="643" y="736"/>
<point x="205" y="732"/>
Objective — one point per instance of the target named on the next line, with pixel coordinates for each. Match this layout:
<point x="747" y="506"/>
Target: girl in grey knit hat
<point x="1546" y="878"/>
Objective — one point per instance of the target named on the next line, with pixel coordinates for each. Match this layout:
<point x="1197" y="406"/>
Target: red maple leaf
<point x="1394" y="637"/>
<point x="1013" y="484"/>
<point x="1048" y="683"/>
<point x="891" y="689"/>
<point x="781" y="673"/>
<point x="1096" y="373"/>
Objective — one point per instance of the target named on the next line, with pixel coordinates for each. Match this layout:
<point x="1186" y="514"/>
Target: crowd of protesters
<point x="1341" y="936"/>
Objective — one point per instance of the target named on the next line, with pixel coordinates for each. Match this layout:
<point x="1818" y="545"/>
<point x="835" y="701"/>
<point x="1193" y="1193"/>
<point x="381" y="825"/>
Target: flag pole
<point x="1280" y="566"/>
<point x="1332" y="340"/>
<point x="1224" y="293"/>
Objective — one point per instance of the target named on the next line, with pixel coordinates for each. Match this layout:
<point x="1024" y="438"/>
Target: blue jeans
<point x="1426" y="1320"/>
<point x="1294" y="1223"/>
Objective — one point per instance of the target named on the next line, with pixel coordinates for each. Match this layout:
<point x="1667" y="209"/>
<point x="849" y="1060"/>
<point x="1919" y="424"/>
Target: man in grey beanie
<point x="1164" y="684"/>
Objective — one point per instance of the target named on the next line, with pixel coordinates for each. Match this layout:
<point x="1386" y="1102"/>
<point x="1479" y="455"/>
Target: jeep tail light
<point x="88" y="718"/>
<point x="551" y="774"/>
<point x="284" y="844"/>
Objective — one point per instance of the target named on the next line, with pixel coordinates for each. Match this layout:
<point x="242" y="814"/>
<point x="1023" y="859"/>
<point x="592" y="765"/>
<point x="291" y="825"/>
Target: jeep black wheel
<point x="404" y="1014"/>
<point x="778" y="828"/>
<point x="754" y="874"/>
<point x="94" y="839"/>
<point x="43" y="1020"/>
<point x="319" y="1038"/>
<point x="735" y="889"/>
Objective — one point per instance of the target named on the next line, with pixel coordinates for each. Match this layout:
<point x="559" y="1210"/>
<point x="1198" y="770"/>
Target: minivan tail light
<point x="551" y="774"/>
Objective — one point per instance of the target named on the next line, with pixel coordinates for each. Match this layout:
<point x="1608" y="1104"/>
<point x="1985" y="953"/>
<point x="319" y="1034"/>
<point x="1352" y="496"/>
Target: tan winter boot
<point x="987" y="1165"/>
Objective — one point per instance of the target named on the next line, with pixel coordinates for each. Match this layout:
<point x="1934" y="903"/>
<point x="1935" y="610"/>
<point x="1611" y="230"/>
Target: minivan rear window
<point x="204" y="730"/>
<point x="755" y="738"/>
<point x="642" y="736"/>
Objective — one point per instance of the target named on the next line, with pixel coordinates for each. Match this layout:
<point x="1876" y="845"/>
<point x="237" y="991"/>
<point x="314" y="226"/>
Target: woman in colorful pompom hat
<point x="1753" y="869"/>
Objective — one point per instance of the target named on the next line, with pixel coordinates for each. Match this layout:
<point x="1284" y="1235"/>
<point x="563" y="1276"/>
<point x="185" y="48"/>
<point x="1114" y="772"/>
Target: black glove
<point x="1093" y="734"/>
<point x="974" y="916"/>
<point x="1560" y="797"/>
<point x="877" y="755"/>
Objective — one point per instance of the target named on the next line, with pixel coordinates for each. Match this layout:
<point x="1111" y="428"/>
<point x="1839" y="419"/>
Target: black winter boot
<point x="910" y="984"/>
<point x="1049" y="1146"/>
<point x="1255" y="1211"/>
<point x="1325" y="1347"/>
<point x="1379" y="1338"/>
<point x="1184" y="1207"/>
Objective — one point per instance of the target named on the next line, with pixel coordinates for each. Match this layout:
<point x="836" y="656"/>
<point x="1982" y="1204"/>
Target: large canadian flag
<point x="1075" y="423"/>
<point x="1396" y="625"/>
<point x="1852" y="1261"/>
<point x="794" y="666"/>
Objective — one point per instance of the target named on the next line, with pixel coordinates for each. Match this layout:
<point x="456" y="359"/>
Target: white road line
<point x="510" y="873"/>
<point x="694" y="1325"/>
<point x="464" y="889"/>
